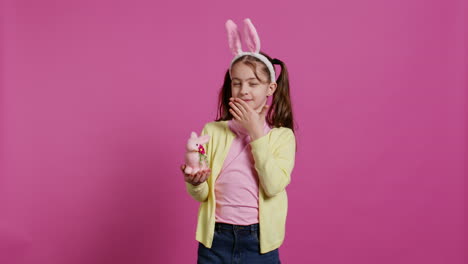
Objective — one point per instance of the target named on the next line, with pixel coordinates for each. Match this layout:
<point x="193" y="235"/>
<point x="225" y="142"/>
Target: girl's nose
<point x="244" y="89"/>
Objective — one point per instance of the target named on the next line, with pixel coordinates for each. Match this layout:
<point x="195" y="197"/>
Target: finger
<point x="190" y="178"/>
<point x="196" y="179"/>
<point x="243" y="104"/>
<point x="241" y="107"/>
<point x="199" y="181"/>
<point x="235" y="108"/>
<point x="205" y="173"/>
<point x="208" y="173"/>
<point x="235" y="114"/>
<point x="203" y="178"/>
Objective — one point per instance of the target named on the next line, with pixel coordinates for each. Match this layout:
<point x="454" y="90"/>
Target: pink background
<point x="99" y="97"/>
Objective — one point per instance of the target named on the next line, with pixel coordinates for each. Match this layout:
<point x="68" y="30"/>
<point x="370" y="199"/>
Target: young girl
<point x="251" y="154"/>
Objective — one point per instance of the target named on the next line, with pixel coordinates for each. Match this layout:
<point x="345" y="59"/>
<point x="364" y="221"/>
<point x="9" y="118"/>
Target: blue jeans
<point x="236" y="244"/>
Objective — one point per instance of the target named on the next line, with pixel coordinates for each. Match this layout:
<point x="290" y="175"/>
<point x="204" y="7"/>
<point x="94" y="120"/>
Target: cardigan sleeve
<point x="274" y="161"/>
<point x="199" y="192"/>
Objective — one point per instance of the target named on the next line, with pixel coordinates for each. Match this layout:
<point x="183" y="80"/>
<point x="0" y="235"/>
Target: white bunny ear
<point x="193" y="135"/>
<point x="251" y="36"/>
<point x="234" y="38"/>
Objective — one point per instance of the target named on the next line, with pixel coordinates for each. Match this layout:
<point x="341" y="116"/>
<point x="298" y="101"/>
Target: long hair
<point x="280" y="111"/>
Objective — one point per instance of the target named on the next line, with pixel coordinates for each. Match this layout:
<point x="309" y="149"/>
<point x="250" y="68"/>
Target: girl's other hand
<point x="197" y="178"/>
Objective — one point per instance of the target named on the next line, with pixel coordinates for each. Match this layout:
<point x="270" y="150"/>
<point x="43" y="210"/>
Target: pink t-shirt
<point x="236" y="187"/>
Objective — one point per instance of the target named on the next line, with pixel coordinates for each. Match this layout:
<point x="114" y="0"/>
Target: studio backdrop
<point x="98" y="98"/>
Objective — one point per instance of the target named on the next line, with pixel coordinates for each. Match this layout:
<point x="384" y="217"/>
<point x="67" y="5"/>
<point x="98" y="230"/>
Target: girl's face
<point x="246" y="86"/>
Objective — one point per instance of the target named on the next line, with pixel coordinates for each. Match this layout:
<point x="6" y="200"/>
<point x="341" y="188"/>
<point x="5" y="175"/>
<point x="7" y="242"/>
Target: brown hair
<point x="280" y="111"/>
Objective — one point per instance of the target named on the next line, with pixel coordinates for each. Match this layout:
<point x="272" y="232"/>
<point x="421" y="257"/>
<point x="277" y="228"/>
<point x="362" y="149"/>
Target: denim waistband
<point x="224" y="226"/>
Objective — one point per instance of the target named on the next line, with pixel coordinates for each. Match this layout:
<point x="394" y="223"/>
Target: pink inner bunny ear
<point x="251" y="36"/>
<point x="233" y="37"/>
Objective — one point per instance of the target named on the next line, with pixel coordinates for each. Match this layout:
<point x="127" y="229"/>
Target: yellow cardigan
<point x="274" y="155"/>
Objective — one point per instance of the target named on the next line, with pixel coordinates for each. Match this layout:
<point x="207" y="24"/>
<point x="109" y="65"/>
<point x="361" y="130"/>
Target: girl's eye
<point x="253" y="84"/>
<point x="236" y="84"/>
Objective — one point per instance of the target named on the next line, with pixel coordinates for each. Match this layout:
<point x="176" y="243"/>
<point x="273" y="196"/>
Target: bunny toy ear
<point x="251" y="36"/>
<point x="193" y="135"/>
<point x="233" y="37"/>
<point x="204" y="139"/>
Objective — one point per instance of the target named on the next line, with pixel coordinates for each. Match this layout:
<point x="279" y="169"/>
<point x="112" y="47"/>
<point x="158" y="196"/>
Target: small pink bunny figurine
<point x="195" y="158"/>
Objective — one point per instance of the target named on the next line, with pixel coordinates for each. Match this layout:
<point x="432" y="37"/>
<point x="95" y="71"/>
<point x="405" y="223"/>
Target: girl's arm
<point x="274" y="164"/>
<point x="199" y="192"/>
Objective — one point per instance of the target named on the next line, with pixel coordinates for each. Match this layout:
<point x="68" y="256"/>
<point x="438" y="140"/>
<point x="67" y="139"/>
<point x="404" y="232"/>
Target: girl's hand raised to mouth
<point x="250" y="119"/>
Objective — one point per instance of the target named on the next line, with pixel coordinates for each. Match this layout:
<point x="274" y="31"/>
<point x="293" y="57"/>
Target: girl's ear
<point x="251" y="36"/>
<point x="234" y="38"/>
<point x="204" y="139"/>
<point x="272" y="88"/>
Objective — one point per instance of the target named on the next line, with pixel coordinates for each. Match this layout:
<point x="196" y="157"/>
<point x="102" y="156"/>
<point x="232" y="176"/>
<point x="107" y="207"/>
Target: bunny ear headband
<point x="253" y="44"/>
